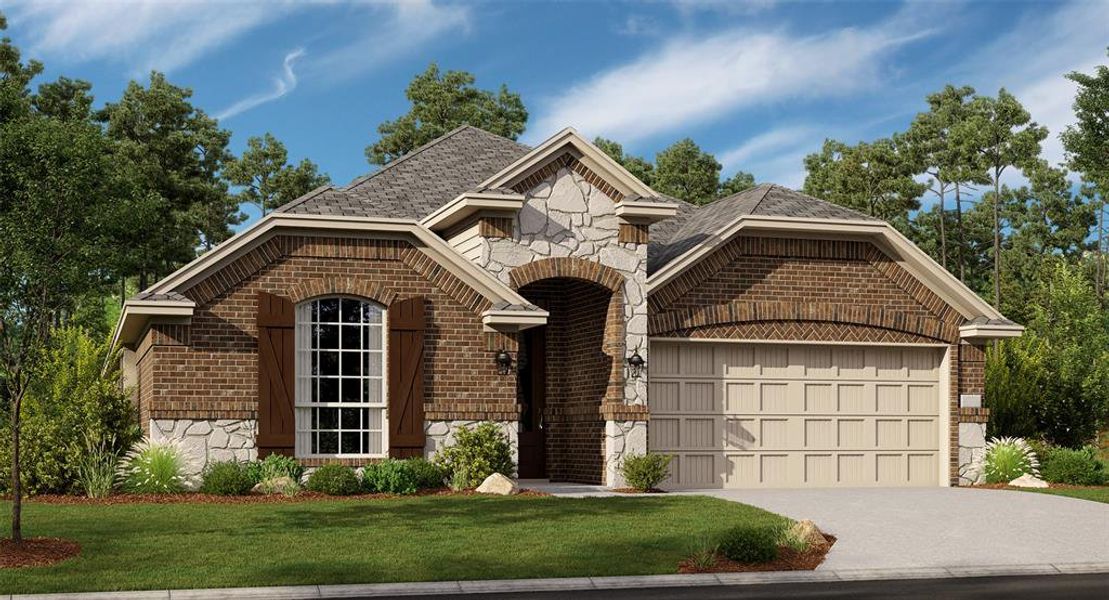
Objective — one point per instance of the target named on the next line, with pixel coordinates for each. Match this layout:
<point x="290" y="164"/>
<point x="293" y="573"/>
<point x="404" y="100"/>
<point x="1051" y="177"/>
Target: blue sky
<point x="760" y="84"/>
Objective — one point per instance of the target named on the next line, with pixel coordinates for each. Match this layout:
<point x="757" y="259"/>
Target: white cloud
<point x="282" y="85"/>
<point x="696" y="79"/>
<point x="143" y="34"/>
<point x="408" y="25"/>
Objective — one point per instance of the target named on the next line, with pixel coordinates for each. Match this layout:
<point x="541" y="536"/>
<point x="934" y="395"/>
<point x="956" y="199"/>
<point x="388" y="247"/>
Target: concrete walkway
<point x="943" y="527"/>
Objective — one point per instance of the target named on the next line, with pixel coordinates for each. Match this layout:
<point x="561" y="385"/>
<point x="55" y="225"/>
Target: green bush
<point x="334" y="480"/>
<point x="274" y="466"/>
<point x="153" y="467"/>
<point x="286" y="486"/>
<point x="97" y="467"/>
<point x="751" y="543"/>
<point x="1007" y="458"/>
<point x="644" y="472"/>
<point x="406" y="476"/>
<point x="476" y="454"/>
<point x="1074" y="467"/>
<point x="74" y="394"/>
<point x="226" y="479"/>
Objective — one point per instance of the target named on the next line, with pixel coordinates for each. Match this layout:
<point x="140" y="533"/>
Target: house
<point x="766" y="339"/>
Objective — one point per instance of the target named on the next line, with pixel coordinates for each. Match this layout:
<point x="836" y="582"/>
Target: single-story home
<point x="768" y="339"/>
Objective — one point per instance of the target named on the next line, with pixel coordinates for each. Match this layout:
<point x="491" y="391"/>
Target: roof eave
<point x="645" y="211"/>
<point x="468" y="204"/>
<point x="984" y="332"/>
<point x="137" y="315"/>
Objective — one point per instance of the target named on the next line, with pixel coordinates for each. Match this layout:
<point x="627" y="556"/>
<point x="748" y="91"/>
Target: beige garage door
<point x="795" y="415"/>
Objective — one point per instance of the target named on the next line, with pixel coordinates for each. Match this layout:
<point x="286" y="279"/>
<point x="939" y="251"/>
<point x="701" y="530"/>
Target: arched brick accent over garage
<point x="570" y="268"/>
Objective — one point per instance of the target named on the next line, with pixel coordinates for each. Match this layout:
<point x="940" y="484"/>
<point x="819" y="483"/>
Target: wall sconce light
<point x="503" y="361"/>
<point x="636" y="365"/>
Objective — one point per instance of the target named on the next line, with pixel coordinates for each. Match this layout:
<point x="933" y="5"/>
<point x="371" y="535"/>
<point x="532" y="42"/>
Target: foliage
<point x="74" y="398"/>
<point x="286" y="486"/>
<point x="637" y="166"/>
<point x="428" y="475"/>
<point x="875" y="178"/>
<point x="1006" y="459"/>
<point x="334" y="480"/>
<point x="226" y="479"/>
<point x="704" y="556"/>
<point x="153" y="467"/>
<point x="266" y="177"/>
<point x="442" y="102"/>
<point x="1057" y="374"/>
<point x="96" y="468"/>
<point x="644" y="472"/>
<point x="274" y="466"/>
<point x="681" y="170"/>
<point x="390" y="476"/>
<point x="752" y="543"/>
<point x="1074" y="467"/>
<point x="477" y="453"/>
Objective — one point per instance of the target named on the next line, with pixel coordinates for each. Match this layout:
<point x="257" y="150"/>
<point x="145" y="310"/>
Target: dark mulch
<point x="197" y="498"/>
<point x="36" y="552"/>
<point x="788" y="560"/>
<point x="635" y="491"/>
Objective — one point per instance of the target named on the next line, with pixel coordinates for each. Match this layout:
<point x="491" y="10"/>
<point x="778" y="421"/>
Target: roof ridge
<point x="765" y="193"/>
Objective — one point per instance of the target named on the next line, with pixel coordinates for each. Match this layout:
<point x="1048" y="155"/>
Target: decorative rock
<point x="807" y="531"/>
<point x="566" y="196"/>
<point x="497" y="484"/>
<point x="1028" y="480"/>
<point x="533" y="217"/>
<point x="619" y="259"/>
<point x="199" y="428"/>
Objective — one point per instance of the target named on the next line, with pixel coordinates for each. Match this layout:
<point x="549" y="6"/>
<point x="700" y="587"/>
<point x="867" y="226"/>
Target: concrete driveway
<point x="943" y="527"/>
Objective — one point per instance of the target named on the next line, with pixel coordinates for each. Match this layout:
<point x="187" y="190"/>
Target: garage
<point x="759" y="415"/>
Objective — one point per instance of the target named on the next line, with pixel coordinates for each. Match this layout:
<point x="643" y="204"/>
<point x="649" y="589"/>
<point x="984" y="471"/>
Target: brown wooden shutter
<point x="276" y="375"/>
<point x="406" y="378"/>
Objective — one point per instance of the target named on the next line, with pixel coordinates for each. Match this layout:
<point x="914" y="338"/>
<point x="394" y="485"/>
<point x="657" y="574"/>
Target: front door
<point x="533" y="399"/>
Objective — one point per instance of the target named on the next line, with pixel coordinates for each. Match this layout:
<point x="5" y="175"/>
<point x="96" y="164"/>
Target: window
<point x="340" y="393"/>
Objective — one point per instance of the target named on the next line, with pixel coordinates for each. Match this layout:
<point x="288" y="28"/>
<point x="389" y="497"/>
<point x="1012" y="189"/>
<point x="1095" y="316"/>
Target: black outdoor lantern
<point x="636" y="364"/>
<point x="504" y="362"/>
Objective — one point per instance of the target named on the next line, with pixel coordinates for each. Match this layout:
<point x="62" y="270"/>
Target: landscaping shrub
<point x="74" y="394"/>
<point x="274" y="466"/>
<point x="476" y="454"/>
<point x="96" y="469"/>
<point x="1074" y="467"/>
<point x="226" y="479"/>
<point x="751" y="543"/>
<point x="1007" y="458"/>
<point x="401" y="476"/>
<point x="286" y="486"/>
<point x="334" y="480"/>
<point x="153" y="467"/>
<point x="644" y="472"/>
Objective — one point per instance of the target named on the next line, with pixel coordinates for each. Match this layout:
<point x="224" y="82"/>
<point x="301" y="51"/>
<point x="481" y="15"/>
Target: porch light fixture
<point x="504" y="362"/>
<point x="636" y="364"/>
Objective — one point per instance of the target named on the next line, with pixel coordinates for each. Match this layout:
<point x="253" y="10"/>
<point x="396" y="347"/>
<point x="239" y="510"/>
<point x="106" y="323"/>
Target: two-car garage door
<point x="797" y="415"/>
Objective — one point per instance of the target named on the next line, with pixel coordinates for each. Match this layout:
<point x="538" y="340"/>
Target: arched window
<point x="340" y="374"/>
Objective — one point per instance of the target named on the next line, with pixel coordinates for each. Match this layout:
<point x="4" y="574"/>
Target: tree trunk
<point x="996" y="240"/>
<point x="1099" y="256"/>
<point x="962" y="238"/>
<point x="943" y="233"/>
<point x="17" y="484"/>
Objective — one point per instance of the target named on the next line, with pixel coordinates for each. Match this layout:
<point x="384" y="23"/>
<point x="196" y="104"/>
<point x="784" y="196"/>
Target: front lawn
<point x="158" y="546"/>
<point x="1097" y="494"/>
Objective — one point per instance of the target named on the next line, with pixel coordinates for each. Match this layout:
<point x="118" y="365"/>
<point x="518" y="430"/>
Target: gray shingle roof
<point x="692" y="225"/>
<point x="419" y="182"/>
<point x="164" y="297"/>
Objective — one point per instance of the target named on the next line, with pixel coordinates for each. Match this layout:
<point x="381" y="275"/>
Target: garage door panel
<point x="780" y="415"/>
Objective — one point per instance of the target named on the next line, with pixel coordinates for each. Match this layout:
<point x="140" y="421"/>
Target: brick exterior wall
<point x="208" y="369"/>
<point x="816" y="290"/>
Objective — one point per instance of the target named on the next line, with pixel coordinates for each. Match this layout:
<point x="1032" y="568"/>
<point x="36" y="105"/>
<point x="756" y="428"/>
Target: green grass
<point x="158" y="546"/>
<point x="1096" y="494"/>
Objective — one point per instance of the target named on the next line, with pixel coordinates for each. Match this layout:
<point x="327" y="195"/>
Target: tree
<point x="735" y="184"/>
<point x="874" y="178"/>
<point x="177" y="151"/>
<point x="684" y="171"/>
<point x="642" y="169"/>
<point x="441" y="102"/>
<point x="1000" y="132"/>
<point x="951" y="167"/>
<point x="1087" y="146"/>
<point x="66" y="99"/>
<point x="266" y="177"/>
<point x="63" y="204"/>
<point x="15" y="79"/>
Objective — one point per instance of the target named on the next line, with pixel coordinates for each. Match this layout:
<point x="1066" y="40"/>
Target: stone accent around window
<point x="622" y="438"/>
<point x="208" y="441"/>
<point x="972" y="440"/>
<point x="440" y="434"/>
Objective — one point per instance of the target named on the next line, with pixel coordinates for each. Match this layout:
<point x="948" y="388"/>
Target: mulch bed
<point x="36" y="552"/>
<point x="197" y="498"/>
<point x="635" y="491"/>
<point x="1059" y="486"/>
<point x="788" y="560"/>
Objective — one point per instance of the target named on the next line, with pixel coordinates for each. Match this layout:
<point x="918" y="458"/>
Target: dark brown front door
<point x="533" y="397"/>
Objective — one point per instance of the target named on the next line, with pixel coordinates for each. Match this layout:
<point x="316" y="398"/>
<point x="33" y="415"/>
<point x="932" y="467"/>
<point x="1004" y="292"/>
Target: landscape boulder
<point x="497" y="484"/>
<point x="807" y="531"/>
<point x="1028" y="480"/>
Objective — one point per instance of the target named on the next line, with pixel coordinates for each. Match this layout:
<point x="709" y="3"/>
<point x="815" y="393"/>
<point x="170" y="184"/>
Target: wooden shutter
<point x="276" y="375"/>
<point x="406" y="378"/>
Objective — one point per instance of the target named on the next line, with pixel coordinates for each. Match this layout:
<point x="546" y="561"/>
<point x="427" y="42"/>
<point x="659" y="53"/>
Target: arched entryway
<point x="568" y="370"/>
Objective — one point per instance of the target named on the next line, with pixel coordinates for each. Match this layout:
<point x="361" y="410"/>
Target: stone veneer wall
<point x="441" y="434"/>
<point x="208" y="440"/>
<point x="621" y="439"/>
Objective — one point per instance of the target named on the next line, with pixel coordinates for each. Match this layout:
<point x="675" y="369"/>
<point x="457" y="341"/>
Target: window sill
<point x="319" y="461"/>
